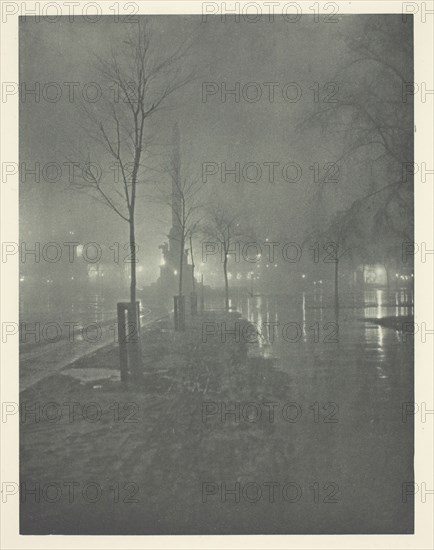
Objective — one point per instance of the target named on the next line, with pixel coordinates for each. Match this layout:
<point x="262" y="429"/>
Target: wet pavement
<point x="337" y="452"/>
<point x="60" y="337"/>
<point x="350" y="378"/>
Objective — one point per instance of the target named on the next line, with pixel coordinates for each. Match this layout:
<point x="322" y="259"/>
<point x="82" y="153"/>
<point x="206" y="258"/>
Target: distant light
<point x="396" y="274"/>
<point x="379" y="300"/>
<point x="412" y="274"/>
<point x="21" y="279"/>
<point x="259" y="255"/>
<point x="266" y="239"/>
<point x="72" y="278"/>
<point x="275" y="265"/>
<point x="314" y="282"/>
<point x="320" y="282"/>
<point x="303" y="276"/>
<point x="175" y="272"/>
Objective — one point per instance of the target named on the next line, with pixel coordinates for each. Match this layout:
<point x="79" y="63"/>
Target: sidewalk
<point x="44" y="358"/>
<point x="201" y="446"/>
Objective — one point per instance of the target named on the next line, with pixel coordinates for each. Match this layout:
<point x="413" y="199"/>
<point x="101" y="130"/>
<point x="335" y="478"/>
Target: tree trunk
<point x="192" y="264"/>
<point x="133" y="317"/>
<point x="225" y="271"/>
<point x="133" y="261"/>
<point x="132" y="209"/>
<point x="181" y="264"/>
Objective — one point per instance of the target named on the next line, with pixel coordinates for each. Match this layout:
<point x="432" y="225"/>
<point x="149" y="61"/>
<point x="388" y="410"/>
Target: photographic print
<point x="216" y="273"/>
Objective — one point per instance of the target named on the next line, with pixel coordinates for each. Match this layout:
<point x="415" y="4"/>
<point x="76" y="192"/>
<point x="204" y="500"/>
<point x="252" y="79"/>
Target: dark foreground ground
<point x="160" y="456"/>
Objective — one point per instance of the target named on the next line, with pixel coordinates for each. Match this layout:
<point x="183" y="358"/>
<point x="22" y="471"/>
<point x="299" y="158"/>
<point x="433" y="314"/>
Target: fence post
<point x="130" y="355"/>
<point x="122" y="338"/>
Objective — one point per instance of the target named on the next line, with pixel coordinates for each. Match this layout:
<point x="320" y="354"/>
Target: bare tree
<point x="194" y="230"/>
<point x="353" y="234"/>
<point x="223" y="225"/>
<point x="371" y="122"/>
<point x="140" y="83"/>
<point x="371" y="119"/>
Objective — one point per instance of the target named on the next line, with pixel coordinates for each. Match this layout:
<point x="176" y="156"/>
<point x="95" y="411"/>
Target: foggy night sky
<point x="304" y="52"/>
